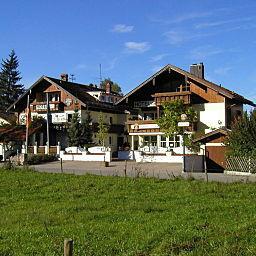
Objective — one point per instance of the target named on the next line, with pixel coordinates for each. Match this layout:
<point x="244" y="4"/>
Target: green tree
<point x="74" y="130"/>
<point x="86" y="131"/>
<point x="168" y="122"/>
<point x="10" y="88"/>
<point x="172" y="112"/>
<point x="114" y="86"/>
<point x="102" y="129"/>
<point x="241" y="139"/>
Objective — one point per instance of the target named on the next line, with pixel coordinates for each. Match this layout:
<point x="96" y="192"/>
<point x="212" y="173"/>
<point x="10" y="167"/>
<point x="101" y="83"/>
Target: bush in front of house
<point x="38" y="159"/>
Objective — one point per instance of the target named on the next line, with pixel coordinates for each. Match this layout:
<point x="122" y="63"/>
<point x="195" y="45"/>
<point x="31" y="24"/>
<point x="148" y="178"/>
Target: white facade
<point x="104" y="97"/>
<point x="211" y="116"/>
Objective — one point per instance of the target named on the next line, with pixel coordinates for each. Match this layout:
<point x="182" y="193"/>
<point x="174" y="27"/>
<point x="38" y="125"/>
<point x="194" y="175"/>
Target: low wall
<point x="139" y="156"/>
<point x="85" y="156"/>
<point x="157" y="158"/>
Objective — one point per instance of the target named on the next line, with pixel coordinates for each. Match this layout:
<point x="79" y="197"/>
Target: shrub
<point x="37" y="159"/>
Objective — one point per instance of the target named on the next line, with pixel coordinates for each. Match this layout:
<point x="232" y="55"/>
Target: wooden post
<point x="125" y="168"/>
<point x="68" y="247"/>
<point x="47" y="123"/>
<point x="205" y="166"/>
<point x="61" y="165"/>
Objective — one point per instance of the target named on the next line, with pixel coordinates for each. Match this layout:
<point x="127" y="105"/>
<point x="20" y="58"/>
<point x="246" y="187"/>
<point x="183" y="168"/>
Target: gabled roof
<point x="221" y="90"/>
<point x="15" y="133"/>
<point x="221" y="131"/>
<point x="78" y="91"/>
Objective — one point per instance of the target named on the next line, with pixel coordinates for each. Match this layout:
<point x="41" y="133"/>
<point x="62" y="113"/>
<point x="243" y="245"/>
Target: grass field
<point x="124" y="216"/>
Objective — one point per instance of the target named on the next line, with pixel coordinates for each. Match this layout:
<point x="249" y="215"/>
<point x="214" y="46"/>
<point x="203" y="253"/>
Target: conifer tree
<point x="10" y="88"/>
<point x="74" y="130"/>
<point x="86" y="131"/>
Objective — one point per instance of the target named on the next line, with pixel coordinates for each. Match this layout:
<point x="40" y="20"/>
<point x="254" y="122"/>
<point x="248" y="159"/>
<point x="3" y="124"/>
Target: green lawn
<point x="124" y="216"/>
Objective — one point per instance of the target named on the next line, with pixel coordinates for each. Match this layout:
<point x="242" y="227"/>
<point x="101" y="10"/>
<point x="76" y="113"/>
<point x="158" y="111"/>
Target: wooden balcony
<point x="150" y="126"/>
<point x="42" y="106"/>
<point x="163" y="97"/>
<point x="140" y="126"/>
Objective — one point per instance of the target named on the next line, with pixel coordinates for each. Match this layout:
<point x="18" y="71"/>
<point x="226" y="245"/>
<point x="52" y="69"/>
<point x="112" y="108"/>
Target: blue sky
<point x="132" y="39"/>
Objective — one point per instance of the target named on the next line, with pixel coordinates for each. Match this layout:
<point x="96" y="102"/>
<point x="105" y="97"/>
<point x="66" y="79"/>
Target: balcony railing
<point x="142" y="126"/>
<point x="162" y="97"/>
<point x="42" y="106"/>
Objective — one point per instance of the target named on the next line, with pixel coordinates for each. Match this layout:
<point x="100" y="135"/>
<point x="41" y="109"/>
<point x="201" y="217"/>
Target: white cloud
<point x="220" y="23"/>
<point x="138" y="47"/>
<point x="122" y="28"/>
<point x="203" y="52"/>
<point x="222" y="71"/>
<point x="176" y="37"/>
<point x="111" y="64"/>
<point x="191" y="16"/>
<point x="182" y="18"/>
<point x="158" y="57"/>
<point x="81" y="66"/>
<point x="156" y="68"/>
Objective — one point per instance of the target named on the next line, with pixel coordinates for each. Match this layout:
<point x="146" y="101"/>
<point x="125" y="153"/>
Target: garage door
<point x="215" y="158"/>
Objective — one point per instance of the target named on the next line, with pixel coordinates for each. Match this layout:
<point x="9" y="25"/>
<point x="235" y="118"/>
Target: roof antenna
<point x="72" y="78"/>
<point x="100" y="76"/>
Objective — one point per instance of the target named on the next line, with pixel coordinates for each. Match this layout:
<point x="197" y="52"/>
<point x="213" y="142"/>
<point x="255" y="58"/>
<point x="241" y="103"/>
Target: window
<point x="149" y="116"/>
<point x="153" y="141"/>
<point x="110" y="140"/>
<point x="54" y="96"/>
<point x="146" y="141"/>
<point x="150" y="141"/>
<point x="174" y="141"/>
<point x="163" y="141"/>
<point x="177" y="141"/>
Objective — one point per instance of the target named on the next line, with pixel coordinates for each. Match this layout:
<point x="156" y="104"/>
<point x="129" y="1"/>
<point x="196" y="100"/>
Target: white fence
<point x="241" y="164"/>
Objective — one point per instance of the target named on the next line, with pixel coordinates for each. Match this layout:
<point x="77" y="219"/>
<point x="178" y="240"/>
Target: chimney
<point x="108" y="88"/>
<point x="64" y="77"/>
<point x="197" y="70"/>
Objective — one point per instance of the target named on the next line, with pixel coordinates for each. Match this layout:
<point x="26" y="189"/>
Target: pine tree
<point x="86" y="131"/>
<point x="10" y="88"/>
<point x="74" y="130"/>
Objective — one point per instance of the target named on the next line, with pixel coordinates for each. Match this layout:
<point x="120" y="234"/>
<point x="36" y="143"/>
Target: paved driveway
<point x="133" y="169"/>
